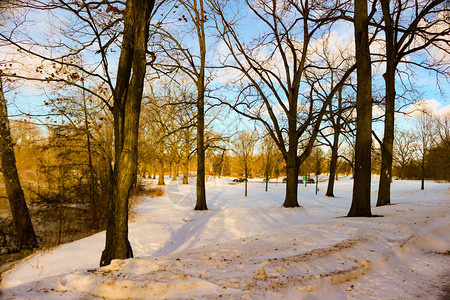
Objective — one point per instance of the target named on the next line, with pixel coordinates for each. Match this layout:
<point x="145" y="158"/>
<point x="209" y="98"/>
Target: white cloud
<point x="431" y="106"/>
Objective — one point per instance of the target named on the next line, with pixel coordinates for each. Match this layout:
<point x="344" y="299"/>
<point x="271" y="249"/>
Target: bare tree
<point x="127" y="105"/>
<point x="409" y="27"/>
<point x="95" y="28"/>
<point x="424" y="142"/>
<point x="269" y="150"/>
<point x="271" y="72"/>
<point x="190" y="58"/>
<point x="244" y="148"/>
<point x="403" y="150"/>
<point x="362" y="177"/>
<point x="317" y="154"/>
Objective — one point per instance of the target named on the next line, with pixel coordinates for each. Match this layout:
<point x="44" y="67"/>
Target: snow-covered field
<point x="252" y="248"/>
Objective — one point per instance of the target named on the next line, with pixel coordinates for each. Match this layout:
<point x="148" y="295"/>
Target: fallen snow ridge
<point x="252" y="248"/>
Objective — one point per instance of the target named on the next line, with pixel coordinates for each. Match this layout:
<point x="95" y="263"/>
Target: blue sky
<point x="30" y="96"/>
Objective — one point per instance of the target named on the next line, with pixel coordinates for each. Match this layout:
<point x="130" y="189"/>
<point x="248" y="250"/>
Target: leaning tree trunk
<point x="127" y="106"/>
<point x="384" y="190"/>
<point x="362" y="179"/>
<point x="25" y="237"/>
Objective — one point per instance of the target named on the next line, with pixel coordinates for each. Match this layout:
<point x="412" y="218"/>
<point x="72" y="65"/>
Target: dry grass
<point x="143" y="191"/>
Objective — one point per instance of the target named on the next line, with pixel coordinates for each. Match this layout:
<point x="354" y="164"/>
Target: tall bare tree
<point x="127" y="106"/>
<point x="25" y="236"/>
<point x="187" y="53"/>
<point x="409" y="27"/>
<point x="362" y="177"/>
<point x="271" y="68"/>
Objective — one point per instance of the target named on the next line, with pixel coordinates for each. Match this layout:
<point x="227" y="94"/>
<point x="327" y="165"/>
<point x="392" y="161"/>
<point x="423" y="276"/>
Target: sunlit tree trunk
<point x="362" y="179"/>
<point x="333" y="166"/>
<point x="384" y="190"/>
<point x="127" y="107"/>
<point x="161" y="172"/>
<point x="201" y="187"/>
<point x="25" y="237"/>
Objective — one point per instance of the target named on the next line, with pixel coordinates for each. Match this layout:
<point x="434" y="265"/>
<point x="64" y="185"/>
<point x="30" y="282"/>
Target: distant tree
<point x="269" y="151"/>
<point x="403" y="151"/>
<point x="318" y="159"/>
<point x="424" y="141"/>
<point x="216" y="148"/>
<point x="439" y="155"/>
<point x="244" y="147"/>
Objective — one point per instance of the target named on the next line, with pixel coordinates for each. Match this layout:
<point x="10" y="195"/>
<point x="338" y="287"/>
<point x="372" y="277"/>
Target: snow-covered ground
<point x="252" y="248"/>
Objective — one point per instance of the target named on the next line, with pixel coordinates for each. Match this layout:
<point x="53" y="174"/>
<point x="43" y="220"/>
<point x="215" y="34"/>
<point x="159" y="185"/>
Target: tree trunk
<point x="161" y="172"/>
<point x="201" y="188"/>
<point x="246" y="181"/>
<point x="175" y="173"/>
<point x="25" y="237"/>
<point x="317" y="183"/>
<point x="422" y="173"/>
<point x="384" y="191"/>
<point x="292" y="180"/>
<point x="333" y="165"/>
<point x="362" y="179"/>
<point x="267" y="182"/>
<point x="186" y="173"/>
<point x="127" y="107"/>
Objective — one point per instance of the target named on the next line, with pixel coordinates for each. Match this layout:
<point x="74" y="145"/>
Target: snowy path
<point x="253" y="248"/>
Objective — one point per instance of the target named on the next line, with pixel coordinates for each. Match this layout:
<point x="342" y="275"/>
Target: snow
<point x="252" y="248"/>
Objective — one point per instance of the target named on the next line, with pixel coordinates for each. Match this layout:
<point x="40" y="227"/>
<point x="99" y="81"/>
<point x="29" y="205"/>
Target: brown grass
<point x="143" y="191"/>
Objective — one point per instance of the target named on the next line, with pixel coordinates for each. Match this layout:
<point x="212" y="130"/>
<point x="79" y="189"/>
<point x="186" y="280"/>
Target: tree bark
<point x="200" y="185"/>
<point x="335" y="148"/>
<point x="186" y="173"/>
<point x="422" y="173"/>
<point x="161" y="172"/>
<point x="362" y="179"/>
<point x="25" y="237"/>
<point x="246" y="184"/>
<point x="201" y="188"/>
<point x="384" y="190"/>
<point x="267" y="182"/>
<point x="291" y="182"/>
<point x="127" y="107"/>
<point x="333" y="165"/>
<point x="291" y="158"/>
